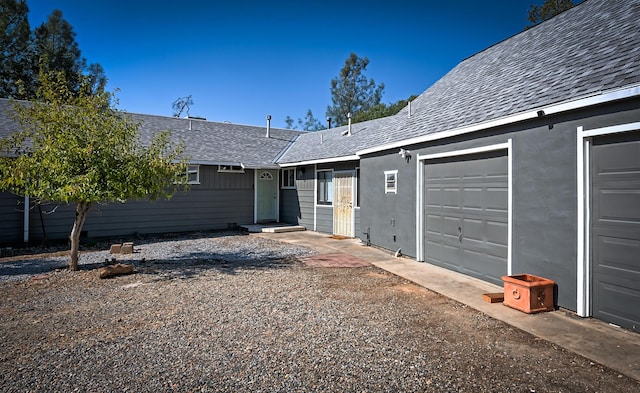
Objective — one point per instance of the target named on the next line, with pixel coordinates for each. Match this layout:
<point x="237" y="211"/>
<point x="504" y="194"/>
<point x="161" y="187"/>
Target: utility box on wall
<point x="528" y="293"/>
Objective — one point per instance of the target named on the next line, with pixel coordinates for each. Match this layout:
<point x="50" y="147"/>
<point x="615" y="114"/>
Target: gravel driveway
<point x="241" y="313"/>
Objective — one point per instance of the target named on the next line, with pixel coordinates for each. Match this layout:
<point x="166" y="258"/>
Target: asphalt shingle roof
<point x="215" y="142"/>
<point x="591" y="48"/>
<point x="205" y="141"/>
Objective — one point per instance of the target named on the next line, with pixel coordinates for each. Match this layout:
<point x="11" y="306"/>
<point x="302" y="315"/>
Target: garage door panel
<point x="613" y="305"/>
<point x="615" y="229"/>
<point x="472" y="235"/>
<point x="483" y="266"/>
<point x="451" y="198"/>
<point x="620" y="255"/>
<point x="497" y="232"/>
<point x="619" y="205"/>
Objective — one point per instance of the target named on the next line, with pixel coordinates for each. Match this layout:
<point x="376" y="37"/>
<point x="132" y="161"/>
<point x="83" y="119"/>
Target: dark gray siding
<point x="220" y="201"/>
<point x="11" y="218"/>
<point x="544" y="240"/>
<point x="296" y="206"/>
<point x="356" y="224"/>
<point x="324" y="219"/>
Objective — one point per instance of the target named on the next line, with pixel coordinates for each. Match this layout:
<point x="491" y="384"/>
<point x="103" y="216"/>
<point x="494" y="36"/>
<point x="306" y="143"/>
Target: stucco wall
<point x="544" y="240"/>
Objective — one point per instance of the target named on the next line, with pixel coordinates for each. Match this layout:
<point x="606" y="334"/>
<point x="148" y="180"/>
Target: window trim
<point x="387" y="188"/>
<point x="230" y="169"/>
<point x="286" y="176"/>
<point x="329" y="197"/>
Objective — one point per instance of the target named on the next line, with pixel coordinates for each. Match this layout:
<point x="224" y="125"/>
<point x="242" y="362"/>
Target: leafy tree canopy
<point x="51" y="47"/>
<point x="309" y="123"/>
<point x="381" y="110"/>
<point x="75" y="148"/>
<point x="549" y="9"/>
<point x="352" y="91"/>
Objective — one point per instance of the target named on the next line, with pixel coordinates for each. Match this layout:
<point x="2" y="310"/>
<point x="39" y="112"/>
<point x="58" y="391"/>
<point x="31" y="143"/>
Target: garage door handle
<point x="460" y="234"/>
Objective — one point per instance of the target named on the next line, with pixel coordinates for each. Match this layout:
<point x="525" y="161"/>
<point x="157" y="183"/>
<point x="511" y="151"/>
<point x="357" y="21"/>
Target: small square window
<point x="289" y="178"/>
<point x="391" y="182"/>
<point x="193" y="174"/>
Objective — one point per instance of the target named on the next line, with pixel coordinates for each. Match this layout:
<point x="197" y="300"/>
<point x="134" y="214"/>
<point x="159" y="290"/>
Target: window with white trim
<point x="391" y="182"/>
<point x="325" y="187"/>
<point x="289" y="178"/>
<point x="193" y="174"/>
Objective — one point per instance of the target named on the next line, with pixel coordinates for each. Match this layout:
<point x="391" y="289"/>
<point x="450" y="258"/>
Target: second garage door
<point x="466" y="214"/>
<point x="615" y="230"/>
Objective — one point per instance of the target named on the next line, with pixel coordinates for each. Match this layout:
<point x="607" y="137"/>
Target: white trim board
<point x="583" y="102"/>
<point x="583" y="165"/>
<point x="321" y="161"/>
<point x="420" y="161"/>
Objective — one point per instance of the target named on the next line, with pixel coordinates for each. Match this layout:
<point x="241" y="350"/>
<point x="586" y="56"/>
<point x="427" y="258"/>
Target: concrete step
<point x="271" y="228"/>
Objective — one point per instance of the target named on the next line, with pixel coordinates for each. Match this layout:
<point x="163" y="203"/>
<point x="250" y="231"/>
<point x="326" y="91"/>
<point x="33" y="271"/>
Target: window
<point x="231" y="168"/>
<point x="289" y="178"/>
<point x="391" y="182"/>
<point x="193" y="174"/>
<point x="325" y="187"/>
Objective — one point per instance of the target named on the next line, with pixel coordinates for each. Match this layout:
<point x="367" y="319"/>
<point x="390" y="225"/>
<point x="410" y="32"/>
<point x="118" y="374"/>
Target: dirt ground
<point x="66" y="331"/>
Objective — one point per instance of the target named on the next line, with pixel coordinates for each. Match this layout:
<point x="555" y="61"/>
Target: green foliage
<point x="16" y="51"/>
<point x="352" y="91"/>
<point x="77" y="149"/>
<point x="289" y="123"/>
<point x="310" y="123"/>
<point x="549" y="9"/>
<point x="50" y="47"/>
<point x="381" y="110"/>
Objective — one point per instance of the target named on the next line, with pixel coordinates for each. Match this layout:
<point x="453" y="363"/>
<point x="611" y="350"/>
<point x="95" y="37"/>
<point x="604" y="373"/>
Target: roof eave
<point x="581" y="103"/>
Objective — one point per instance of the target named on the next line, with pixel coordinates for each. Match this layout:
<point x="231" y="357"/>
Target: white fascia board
<point x="208" y="162"/>
<point x="321" y="161"/>
<point x="600" y="98"/>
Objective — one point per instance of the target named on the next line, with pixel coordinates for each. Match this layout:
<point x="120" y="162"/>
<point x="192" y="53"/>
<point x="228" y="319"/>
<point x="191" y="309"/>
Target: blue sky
<point x="244" y="59"/>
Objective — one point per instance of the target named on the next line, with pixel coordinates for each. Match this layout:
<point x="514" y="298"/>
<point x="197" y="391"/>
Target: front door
<point x="343" y="203"/>
<point x="266" y="195"/>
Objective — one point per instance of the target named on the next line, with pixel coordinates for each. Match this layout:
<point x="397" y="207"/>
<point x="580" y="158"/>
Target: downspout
<point x="25" y="233"/>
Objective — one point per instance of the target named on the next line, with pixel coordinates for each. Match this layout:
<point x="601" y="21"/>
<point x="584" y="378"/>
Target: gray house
<point x="233" y="180"/>
<point x="525" y="158"/>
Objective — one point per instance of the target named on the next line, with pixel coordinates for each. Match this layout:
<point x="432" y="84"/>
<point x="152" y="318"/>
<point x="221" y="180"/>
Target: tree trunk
<point x="81" y="215"/>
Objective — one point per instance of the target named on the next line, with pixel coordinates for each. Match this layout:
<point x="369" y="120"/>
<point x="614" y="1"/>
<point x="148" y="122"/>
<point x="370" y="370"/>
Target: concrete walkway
<point x="616" y="348"/>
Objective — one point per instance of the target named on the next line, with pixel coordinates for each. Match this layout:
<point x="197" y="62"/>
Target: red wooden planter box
<point x="528" y="293"/>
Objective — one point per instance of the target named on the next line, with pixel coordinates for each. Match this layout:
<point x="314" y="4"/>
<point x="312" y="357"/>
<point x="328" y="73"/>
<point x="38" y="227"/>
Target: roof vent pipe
<point x="349" y="129"/>
<point x="409" y="107"/>
<point x="328" y="122"/>
<point x="189" y="124"/>
<point x="268" y="126"/>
